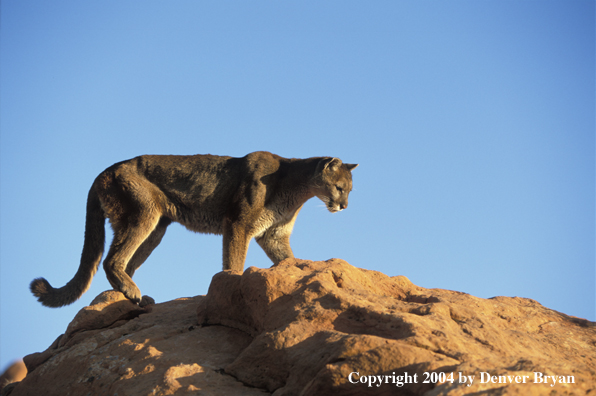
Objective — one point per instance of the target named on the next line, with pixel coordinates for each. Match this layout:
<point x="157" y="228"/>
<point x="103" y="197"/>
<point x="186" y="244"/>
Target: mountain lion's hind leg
<point x="147" y="246"/>
<point x="144" y="251"/>
<point x="129" y="236"/>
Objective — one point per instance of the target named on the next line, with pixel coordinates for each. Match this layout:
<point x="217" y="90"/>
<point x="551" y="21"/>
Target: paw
<point x="146" y="300"/>
<point x="132" y="293"/>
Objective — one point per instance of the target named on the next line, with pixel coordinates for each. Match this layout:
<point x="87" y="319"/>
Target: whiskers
<point x="323" y="206"/>
<point x="328" y="206"/>
<point x="325" y="200"/>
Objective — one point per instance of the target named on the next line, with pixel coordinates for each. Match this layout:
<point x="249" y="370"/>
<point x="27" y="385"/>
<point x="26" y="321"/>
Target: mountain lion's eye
<point x="339" y="189"/>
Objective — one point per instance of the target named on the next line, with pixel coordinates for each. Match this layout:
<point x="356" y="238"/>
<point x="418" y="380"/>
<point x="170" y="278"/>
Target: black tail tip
<point x="40" y="288"/>
<point x="45" y="293"/>
<point x="51" y="297"/>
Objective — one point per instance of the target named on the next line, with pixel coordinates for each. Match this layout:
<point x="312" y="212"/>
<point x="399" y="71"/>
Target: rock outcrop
<point x="317" y="328"/>
<point x="14" y="373"/>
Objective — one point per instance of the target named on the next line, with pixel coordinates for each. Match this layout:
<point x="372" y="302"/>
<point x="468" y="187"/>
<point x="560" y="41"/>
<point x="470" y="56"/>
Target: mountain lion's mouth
<point x="333" y="208"/>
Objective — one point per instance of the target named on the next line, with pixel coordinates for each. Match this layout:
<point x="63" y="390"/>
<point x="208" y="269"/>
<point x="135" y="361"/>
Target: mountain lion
<point x="256" y="196"/>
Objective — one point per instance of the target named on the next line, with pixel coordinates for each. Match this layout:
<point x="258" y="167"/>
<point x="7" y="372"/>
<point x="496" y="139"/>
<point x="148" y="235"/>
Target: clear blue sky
<point x="472" y="121"/>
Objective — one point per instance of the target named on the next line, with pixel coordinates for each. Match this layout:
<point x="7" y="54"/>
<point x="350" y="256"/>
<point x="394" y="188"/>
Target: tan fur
<point x="256" y="196"/>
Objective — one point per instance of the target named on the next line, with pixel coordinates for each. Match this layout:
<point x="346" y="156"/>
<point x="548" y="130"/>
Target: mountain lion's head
<point x="333" y="183"/>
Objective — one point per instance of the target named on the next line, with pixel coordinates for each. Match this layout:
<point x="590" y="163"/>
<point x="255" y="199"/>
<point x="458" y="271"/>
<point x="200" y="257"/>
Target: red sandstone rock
<point x="314" y="323"/>
<point x="307" y="328"/>
<point x="161" y="352"/>
<point x="14" y="373"/>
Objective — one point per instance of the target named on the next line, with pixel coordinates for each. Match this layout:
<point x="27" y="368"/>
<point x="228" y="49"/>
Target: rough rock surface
<point x="317" y="328"/>
<point x="14" y="373"/>
<point x="113" y="347"/>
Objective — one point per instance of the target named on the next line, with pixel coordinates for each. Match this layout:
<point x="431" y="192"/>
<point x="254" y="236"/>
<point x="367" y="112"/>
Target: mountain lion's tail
<point x="90" y="259"/>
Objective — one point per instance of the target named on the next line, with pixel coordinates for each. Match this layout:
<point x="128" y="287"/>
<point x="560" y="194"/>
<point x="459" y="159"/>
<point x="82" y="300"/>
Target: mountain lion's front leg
<point x="276" y="241"/>
<point x="235" y="246"/>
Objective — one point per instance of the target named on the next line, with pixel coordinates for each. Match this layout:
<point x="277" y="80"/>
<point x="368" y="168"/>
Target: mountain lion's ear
<point x="330" y="163"/>
<point x="351" y="166"/>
